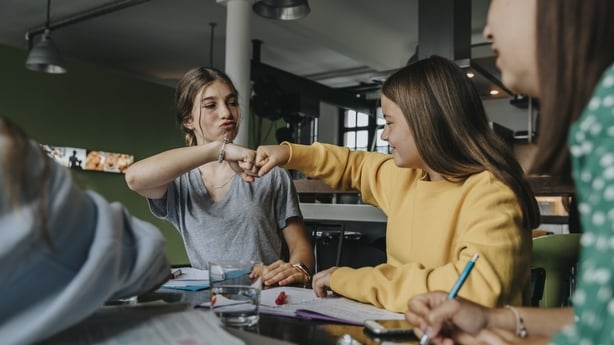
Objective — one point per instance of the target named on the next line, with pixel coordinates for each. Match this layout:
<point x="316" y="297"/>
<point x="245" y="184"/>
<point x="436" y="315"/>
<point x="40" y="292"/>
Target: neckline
<point x="219" y="186"/>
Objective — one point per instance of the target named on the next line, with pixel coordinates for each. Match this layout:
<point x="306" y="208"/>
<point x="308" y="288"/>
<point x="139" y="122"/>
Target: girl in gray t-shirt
<point x="205" y="190"/>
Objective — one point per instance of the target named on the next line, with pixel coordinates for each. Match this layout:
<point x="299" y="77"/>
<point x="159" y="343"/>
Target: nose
<point x="384" y="135"/>
<point x="225" y="112"/>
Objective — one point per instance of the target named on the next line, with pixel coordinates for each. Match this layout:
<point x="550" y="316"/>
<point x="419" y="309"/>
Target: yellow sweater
<point x="434" y="227"/>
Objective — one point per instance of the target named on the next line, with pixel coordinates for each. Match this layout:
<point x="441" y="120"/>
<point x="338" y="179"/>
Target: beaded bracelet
<point x="220" y="157"/>
<point x="521" y="329"/>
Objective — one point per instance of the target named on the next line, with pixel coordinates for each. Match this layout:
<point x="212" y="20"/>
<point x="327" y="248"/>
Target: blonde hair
<point x="188" y="88"/>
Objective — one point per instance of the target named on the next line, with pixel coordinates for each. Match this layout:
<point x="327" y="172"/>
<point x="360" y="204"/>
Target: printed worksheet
<point x="303" y="303"/>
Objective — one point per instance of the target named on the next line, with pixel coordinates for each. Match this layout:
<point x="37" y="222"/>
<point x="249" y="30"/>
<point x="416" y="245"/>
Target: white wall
<point x="328" y="123"/>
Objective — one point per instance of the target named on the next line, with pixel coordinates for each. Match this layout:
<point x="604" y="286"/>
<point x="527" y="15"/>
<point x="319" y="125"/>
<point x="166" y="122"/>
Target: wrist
<point x="221" y="155"/>
<point x="304" y="270"/>
<point x="501" y="318"/>
<point x="520" y="329"/>
<point x="508" y="318"/>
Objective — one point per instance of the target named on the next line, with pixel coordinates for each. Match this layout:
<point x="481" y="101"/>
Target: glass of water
<point x="234" y="295"/>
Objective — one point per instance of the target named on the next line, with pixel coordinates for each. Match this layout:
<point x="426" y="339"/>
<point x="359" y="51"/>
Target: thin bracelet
<point x="521" y="329"/>
<point x="220" y="157"/>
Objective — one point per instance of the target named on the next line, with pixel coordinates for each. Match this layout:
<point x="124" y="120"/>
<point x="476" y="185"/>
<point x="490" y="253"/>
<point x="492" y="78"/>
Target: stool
<point x="557" y="254"/>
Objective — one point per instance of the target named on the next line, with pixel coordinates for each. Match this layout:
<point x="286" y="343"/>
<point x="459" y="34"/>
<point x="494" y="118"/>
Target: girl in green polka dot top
<point x="561" y="52"/>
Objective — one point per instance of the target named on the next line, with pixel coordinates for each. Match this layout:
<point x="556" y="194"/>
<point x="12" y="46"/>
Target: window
<point x="363" y="132"/>
<point x="380" y="145"/>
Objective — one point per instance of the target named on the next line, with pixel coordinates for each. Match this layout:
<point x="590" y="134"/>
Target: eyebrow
<point x="232" y="95"/>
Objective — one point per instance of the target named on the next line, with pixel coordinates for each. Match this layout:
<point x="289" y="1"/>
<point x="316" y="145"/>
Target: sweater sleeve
<point x="343" y="169"/>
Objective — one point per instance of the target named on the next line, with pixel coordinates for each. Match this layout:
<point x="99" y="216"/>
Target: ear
<point x="188" y="124"/>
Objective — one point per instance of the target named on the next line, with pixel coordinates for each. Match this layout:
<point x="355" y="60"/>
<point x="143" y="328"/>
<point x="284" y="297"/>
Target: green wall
<point x="94" y="108"/>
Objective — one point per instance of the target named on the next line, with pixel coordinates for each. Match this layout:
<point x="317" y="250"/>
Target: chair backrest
<point x="538" y="280"/>
<point x="557" y="255"/>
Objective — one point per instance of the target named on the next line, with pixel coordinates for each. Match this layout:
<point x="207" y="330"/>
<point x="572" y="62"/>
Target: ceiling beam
<point x="444" y="29"/>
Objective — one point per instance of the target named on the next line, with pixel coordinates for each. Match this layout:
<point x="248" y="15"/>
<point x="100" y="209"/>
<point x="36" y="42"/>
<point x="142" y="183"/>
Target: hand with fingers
<point x="321" y="282"/>
<point x="256" y="271"/>
<point x="270" y="156"/>
<point x="448" y="321"/>
<point x="242" y="161"/>
<point x="282" y="273"/>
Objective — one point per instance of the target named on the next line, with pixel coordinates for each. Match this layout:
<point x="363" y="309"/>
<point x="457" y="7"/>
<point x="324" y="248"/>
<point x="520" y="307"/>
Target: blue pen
<point x="457" y="286"/>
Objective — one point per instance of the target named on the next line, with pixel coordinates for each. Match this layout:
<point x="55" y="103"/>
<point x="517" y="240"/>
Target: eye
<point x="210" y="105"/>
<point x="233" y="102"/>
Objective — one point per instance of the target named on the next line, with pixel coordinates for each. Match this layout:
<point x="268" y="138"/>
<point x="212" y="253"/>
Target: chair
<point x="538" y="280"/>
<point x="557" y="255"/>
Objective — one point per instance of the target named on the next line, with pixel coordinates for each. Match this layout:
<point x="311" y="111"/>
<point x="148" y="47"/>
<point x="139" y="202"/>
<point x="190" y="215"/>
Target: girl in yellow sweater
<point x="450" y="189"/>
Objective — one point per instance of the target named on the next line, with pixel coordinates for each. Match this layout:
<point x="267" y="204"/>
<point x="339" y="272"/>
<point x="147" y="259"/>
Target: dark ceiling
<point x="340" y="44"/>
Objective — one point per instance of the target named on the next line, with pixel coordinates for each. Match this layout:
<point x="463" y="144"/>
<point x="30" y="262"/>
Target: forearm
<point x="299" y="247"/>
<point x="150" y="174"/>
<point x="303" y="254"/>
<point x="538" y="321"/>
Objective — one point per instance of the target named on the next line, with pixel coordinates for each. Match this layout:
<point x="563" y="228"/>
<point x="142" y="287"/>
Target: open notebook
<point x="302" y="303"/>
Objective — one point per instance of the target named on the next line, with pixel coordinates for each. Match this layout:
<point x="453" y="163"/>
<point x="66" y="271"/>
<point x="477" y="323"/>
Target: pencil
<point x="457" y="286"/>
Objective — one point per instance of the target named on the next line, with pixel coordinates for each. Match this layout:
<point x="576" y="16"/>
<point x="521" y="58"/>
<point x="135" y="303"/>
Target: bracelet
<point x="305" y="271"/>
<point x="220" y="157"/>
<point x="521" y="329"/>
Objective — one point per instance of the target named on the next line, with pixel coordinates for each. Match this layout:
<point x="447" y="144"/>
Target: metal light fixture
<point x="282" y="9"/>
<point x="45" y="57"/>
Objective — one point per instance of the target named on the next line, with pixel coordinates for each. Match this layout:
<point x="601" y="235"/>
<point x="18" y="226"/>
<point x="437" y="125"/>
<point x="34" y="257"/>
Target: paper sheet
<point x="191" y="279"/>
<point x="302" y="303"/>
<point x="147" y="326"/>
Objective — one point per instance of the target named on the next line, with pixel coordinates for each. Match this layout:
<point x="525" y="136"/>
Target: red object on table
<point x="281" y="298"/>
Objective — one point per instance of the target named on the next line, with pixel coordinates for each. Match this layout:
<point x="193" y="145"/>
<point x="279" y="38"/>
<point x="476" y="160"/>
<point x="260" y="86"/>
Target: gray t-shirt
<point x="245" y="224"/>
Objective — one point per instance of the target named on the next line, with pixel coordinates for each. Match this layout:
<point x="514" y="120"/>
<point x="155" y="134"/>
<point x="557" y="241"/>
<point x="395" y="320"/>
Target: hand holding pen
<point x="455" y="289"/>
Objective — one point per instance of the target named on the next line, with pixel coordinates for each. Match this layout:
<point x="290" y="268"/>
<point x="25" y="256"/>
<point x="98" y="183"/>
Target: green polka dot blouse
<point x="591" y="141"/>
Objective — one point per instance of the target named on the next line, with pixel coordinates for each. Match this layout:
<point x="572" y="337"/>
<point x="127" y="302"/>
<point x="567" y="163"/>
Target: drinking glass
<point x="234" y="295"/>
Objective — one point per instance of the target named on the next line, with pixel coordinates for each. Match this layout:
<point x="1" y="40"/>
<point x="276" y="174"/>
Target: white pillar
<point x="238" y="55"/>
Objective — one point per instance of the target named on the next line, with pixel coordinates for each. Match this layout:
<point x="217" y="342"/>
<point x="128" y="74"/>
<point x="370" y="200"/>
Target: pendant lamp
<point x="282" y="9"/>
<point x="45" y="57"/>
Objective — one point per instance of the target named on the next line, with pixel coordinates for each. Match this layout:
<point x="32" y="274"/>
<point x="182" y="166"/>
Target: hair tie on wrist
<point x="220" y="157"/>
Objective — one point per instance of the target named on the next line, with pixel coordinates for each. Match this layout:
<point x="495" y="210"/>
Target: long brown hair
<point x="188" y="88"/>
<point x="451" y="130"/>
<point x="17" y="188"/>
<point x="575" y="44"/>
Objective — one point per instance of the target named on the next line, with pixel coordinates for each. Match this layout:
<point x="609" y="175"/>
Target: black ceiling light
<point x="282" y="9"/>
<point x="45" y="57"/>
